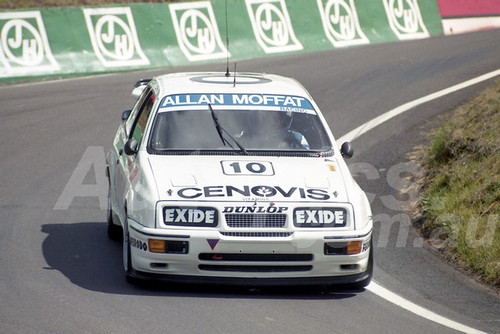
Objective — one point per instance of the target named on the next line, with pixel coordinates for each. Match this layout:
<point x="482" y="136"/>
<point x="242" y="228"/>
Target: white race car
<point x="235" y="179"/>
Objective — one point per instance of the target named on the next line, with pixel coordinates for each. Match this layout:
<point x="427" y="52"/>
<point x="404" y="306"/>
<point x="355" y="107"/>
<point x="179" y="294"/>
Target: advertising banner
<point x="69" y="41"/>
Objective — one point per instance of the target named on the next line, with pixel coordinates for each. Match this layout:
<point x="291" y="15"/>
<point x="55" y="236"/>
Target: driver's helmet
<point x="284" y="120"/>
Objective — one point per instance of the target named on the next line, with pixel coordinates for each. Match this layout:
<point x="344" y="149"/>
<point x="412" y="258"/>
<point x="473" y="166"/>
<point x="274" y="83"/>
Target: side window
<point x="135" y="110"/>
<point x="141" y="119"/>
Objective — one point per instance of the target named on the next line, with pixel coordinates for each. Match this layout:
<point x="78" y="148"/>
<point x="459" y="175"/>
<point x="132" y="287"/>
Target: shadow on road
<point x="83" y="253"/>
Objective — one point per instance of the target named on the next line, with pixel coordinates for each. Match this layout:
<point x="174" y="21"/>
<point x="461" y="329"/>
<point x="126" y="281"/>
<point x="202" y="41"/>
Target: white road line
<point x="418" y="310"/>
<point x="362" y="129"/>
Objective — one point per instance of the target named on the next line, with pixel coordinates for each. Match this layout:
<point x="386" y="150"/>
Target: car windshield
<point x="254" y="128"/>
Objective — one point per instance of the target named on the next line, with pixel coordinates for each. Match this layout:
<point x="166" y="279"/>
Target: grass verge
<point x="460" y="201"/>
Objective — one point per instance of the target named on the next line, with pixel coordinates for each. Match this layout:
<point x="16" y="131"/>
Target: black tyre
<point x="127" y="261"/>
<point x="114" y="231"/>
<point x="127" y="257"/>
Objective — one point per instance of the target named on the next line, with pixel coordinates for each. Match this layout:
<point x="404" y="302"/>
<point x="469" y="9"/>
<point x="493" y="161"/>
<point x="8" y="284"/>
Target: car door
<point x="133" y="128"/>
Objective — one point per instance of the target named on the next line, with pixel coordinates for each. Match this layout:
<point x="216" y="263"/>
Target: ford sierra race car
<point x="235" y="179"/>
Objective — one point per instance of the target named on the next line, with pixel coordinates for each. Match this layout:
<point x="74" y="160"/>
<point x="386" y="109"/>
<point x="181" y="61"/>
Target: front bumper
<point x="294" y="258"/>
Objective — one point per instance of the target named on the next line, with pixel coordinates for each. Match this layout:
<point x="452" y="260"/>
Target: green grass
<point x="461" y="196"/>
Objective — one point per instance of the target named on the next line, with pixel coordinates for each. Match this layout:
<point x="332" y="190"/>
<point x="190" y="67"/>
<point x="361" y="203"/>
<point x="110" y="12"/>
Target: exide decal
<point x="187" y="216"/>
<point x="260" y="191"/>
<point x="320" y="217"/>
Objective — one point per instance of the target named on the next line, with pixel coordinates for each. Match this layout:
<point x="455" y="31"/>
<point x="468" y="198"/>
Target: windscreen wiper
<point x="221" y="131"/>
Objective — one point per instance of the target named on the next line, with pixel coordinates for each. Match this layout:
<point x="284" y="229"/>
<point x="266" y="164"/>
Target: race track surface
<point x="60" y="274"/>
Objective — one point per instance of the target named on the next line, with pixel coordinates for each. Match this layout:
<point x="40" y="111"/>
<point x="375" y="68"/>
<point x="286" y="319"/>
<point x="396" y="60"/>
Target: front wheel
<point x="113" y="230"/>
<point x="127" y="257"/>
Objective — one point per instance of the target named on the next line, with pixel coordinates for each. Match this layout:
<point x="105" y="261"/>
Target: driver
<point x="282" y="130"/>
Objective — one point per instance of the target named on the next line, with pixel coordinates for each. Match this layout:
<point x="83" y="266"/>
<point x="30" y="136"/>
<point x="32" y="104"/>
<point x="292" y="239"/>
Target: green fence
<point x="68" y="41"/>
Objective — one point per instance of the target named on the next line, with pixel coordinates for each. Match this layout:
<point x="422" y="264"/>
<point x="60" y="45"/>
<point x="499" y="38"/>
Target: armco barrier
<point x="67" y="41"/>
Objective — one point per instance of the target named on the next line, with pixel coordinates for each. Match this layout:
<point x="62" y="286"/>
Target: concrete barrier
<point x="461" y="16"/>
<point x="68" y="41"/>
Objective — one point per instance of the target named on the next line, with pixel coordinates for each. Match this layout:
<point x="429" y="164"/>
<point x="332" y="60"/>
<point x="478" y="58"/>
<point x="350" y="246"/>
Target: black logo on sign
<point x="319" y="217"/>
<point x="260" y="191"/>
<point x="190" y="216"/>
<point x="139" y="244"/>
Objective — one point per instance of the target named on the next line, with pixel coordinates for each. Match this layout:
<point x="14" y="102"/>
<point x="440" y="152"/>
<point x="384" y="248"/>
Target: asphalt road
<point x="60" y="274"/>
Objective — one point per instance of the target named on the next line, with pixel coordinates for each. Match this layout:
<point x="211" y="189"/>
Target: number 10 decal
<point x="247" y="167"/>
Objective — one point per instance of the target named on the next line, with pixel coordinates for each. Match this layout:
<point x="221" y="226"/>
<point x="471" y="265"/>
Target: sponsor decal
<point x="319" y="217"/>
<point x="260" y="191"/>
<point x="254" y="209"/>
<point x="405" y="19"/>
<point x="272" y="26"/>
<point x="24" y="47"/>
<point x="197" y="32"/>
<point x="190" y="216"/>
<point x="132" y="169"/>
<point x="264" y="168"/>
<point x="114" y="37"/>
<point x="212" y="243"/>
<point x="332" y="165"/>
<point x="341" y="23"/>
<point x="286" y="103"/>
<point x="139" y="244"/>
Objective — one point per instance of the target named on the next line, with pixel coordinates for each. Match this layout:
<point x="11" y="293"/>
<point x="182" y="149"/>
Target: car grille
<point x="256" y="220"/>
<point x="257" y="262"/>
<point x="254" y="269"/>
<point x="255" y="257"/>
<point x="258" y="234"/>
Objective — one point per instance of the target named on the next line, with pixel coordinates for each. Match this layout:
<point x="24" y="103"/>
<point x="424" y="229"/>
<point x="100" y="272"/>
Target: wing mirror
<point x="139" y="87"/>
<point x="131" y="147"/>
<point x="125" y="115"/>
<point x="136" y="92"/>
<point x="346" y="150"/>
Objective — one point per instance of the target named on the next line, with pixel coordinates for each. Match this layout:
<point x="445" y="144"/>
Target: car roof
<point x="218" y="82"/>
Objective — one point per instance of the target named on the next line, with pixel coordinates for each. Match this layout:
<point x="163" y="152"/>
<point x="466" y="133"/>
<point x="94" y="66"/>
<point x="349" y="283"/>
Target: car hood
<point x="209" y="178"/>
